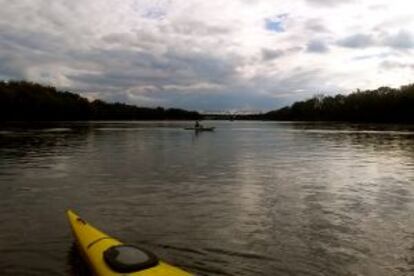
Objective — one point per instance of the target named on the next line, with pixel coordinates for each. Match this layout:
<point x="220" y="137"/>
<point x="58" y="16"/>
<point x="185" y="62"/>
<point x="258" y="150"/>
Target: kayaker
<point x="197" y="124"/>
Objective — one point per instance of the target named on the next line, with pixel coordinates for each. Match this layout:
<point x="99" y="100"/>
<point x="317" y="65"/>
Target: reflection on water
<point x="77" y="266"/>
<point x="251" y="198"/>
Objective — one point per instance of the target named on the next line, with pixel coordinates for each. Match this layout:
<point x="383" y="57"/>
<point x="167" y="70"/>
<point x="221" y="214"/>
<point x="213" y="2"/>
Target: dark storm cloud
<point x="113" y="71"/>
<point x="126" y="67"/>
<point x="20" y="50"/>
<point x="9" y="69"/>
<point x="12" y="38"/>
<point x="121" y="70"/>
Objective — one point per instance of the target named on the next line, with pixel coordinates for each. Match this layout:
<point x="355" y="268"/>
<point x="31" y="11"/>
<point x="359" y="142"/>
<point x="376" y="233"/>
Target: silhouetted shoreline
<point x="26" y="101"/>
<point x="383" y="105"/>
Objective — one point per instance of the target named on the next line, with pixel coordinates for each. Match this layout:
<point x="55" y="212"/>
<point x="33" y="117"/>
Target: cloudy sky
<point x="208" y="55"/>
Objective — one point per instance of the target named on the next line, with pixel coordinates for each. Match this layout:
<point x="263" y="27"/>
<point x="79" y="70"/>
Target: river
<point x="250" y="198"/>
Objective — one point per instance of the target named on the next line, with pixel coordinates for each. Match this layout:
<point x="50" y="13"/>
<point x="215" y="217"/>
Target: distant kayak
<point x="200" y="128"/>
<point x="107" y="256"/>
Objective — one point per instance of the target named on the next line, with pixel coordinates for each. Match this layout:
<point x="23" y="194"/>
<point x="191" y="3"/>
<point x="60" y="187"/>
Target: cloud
<point x="388" y="64"/>
<point x="328" y="3"/>
<point x="269" y="54"/>
<point x="401" y="40"/>
<point x="316" y="25"/>
<point x="190" y="27"/>
<point x="357" y="41"/>
<point x="205" y="54"/>
<point x="317" y="46"/>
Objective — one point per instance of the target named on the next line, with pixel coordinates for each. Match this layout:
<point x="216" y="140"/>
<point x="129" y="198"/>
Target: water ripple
<point x="252" y="198"/>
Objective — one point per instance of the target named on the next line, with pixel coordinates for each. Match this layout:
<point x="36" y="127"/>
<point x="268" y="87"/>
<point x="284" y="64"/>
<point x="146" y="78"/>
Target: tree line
<point x="27" y="101"/>
<point x="382" y="105"/>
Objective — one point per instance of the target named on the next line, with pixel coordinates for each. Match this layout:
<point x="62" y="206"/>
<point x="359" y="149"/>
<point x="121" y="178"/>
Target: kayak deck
<point x="93" y="243"/>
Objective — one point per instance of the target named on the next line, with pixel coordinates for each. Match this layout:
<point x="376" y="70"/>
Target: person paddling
<point x="197" y="124"/>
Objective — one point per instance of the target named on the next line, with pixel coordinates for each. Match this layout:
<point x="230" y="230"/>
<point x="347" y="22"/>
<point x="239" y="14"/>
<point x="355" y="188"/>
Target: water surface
<point x="251" y="198"/>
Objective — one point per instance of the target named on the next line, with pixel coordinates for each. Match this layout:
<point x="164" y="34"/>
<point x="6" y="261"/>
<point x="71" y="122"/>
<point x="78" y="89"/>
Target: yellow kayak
<point x="108" y="256"/>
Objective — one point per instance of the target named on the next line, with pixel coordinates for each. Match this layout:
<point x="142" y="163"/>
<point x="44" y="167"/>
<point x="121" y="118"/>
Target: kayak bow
<point x="107" y="256"/>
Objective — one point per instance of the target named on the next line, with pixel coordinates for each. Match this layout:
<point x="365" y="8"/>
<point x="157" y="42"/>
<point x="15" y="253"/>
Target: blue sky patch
<point x="275" y="24"/>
